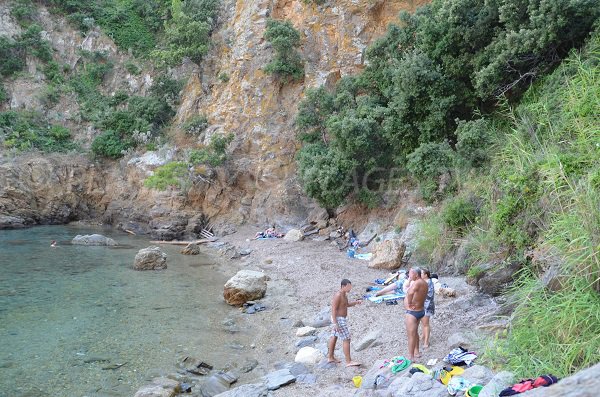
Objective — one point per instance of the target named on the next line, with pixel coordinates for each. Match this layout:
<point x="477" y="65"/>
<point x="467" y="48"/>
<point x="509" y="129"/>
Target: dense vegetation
<point x="427" y="83"/>
<point x="536" y="205"/>
<point x="168" y="30"/>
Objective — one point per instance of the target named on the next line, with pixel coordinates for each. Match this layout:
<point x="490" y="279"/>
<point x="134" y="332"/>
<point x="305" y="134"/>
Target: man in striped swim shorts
<point x="339" y="312"/>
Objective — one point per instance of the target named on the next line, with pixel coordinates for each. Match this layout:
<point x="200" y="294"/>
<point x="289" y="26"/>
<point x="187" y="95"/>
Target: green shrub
<point x="30" y="130"/>
<point x="32" y="41"/>
<point x="24" y="11"/>
<point x="3" y="94"/>
<point x="188" y="33"/>
<point x="111" y="144"/>
<point x="213" y="155"/>
<point x="132" y="68"/>
<point x="428" y="163"/>
<point x="12" y="55"/>
<point x="287" y="63"/>
<point x="195" y="125"/>
<point x="170" y="174"/>
<point x="475" y="272"/>
<point x="474" y="139"/>
<point x="223" y="77"/>
<point x="50" y="96"/>
<point x="459" y="213"/>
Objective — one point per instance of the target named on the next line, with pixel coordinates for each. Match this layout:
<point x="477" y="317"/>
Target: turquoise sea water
<point x="71" y="313"/>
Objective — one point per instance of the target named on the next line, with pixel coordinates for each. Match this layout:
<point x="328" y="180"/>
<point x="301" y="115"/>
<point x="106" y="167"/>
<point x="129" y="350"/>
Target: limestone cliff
<point x="258" y="183"/>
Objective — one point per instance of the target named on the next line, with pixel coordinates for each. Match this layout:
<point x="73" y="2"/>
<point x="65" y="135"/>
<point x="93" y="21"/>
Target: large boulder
<point x="294" y="235"/>
<point x="388" y="255"/>
<point x="418" y="385"/>
<point x="369" y="233"/>
<point x="495" y="281"/>
<point x="309" y="355"/>
<point x="151" y="258"/>
<point x="160" y="387"/>
<point x="93" y="239"/>
<point x="245" y="286"/>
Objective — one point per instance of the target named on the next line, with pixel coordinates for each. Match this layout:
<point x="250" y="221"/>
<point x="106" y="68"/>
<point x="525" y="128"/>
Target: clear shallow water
<point x="68" y="313"/>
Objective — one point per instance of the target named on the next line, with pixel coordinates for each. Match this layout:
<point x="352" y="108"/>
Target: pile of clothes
<point x="528" y="384"/>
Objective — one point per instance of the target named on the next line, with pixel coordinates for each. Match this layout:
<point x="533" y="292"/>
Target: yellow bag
<point x="422" y="368"/>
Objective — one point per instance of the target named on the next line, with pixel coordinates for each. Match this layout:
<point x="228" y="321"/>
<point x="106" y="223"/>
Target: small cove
<point x="69" y="315"/>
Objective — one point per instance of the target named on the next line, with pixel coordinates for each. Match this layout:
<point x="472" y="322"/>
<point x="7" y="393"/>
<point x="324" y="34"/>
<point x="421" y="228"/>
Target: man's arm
<point x="409" y="298"/>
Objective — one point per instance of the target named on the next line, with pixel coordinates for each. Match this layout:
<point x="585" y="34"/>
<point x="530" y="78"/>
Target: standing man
<point x="339" y="312"/>
<point x="414" y="303"/>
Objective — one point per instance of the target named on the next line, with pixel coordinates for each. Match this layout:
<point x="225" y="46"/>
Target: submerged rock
<point x="93" y="239"/>
<point x="151" y="258"/>
<point x="160" y="387"/>
<point x="245" y="286"/>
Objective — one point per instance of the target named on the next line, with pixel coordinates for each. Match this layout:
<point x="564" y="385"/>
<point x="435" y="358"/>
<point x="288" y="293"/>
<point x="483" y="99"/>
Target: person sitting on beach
<point x="400" y="286"/>
<point x="268" y="233"/>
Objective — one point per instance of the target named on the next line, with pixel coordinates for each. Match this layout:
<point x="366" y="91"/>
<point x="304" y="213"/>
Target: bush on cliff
<point x="287" y="63"/>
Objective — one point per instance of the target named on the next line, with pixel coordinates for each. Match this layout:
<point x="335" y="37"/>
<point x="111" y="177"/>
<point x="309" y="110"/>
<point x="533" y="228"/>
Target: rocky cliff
<point x="258" y="183"/>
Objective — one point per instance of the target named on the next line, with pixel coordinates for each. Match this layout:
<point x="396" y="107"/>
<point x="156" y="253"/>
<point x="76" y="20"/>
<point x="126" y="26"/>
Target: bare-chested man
<point x="339" y="312"/>
<point x="414" y="303"/>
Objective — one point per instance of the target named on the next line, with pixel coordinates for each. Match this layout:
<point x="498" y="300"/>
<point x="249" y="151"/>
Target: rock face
<point x="388" y="255"/>
<point x="93" y="239"/>
<point x="245" y="286"/>
<point x="151" y="258"/>
<point x="12" y="222"/>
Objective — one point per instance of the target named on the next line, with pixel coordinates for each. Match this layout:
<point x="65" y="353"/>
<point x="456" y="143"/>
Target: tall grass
<point x="558" y="134"/>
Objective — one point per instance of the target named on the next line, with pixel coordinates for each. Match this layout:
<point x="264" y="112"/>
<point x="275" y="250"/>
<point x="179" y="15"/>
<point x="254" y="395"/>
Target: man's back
<point x="419" y="290"/>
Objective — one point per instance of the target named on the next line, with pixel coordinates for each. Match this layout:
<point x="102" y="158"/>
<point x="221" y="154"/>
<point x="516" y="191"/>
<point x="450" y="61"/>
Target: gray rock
<point x="294" y="235"/>
<point x="418" y="385"/>
<point x="478" y="374"/>
<point x="12" y="222"/>
<point x="245" y="286"/>
<point x="249" y="365"/>
<point x="249" y="390"/>
<point x="191" y="249"/>
<point x="322" y="319"/>
<point x="151" y="258"/>
<point x="369" y="340"/>
<point x="495" y="280"/>
<point x="306" y="341"/>
<point x="499" y="382"/>
<point x="584" y="383"/>
<point x="93" y="239"/>
<point x="369" y="233"/>
<point x="245" y="251"/>
<point x="377" y="377"/>
<point x="306" y="378"/>
<point x="460" y="339"/>
<point x="297" y="369"/>
<point x="160" y="387"/>
<point x="279" y="378"/>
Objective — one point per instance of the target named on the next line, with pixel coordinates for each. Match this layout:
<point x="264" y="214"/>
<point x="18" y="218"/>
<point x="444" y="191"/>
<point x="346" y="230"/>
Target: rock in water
<point x="160" y="387"/>
<point x="151" y="258"/>
<point x="245" y="286"/>
<point x="191" y="249"/>
<point x="93" y="239"/>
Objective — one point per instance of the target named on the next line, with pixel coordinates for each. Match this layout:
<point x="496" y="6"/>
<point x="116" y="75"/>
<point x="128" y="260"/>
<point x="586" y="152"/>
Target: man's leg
<point x="426" y="331"/>
<point x="416" y="339"/>
<point x="349" y="362"/>
<point x="411" y="329"/>
<point x="331" y="350"/>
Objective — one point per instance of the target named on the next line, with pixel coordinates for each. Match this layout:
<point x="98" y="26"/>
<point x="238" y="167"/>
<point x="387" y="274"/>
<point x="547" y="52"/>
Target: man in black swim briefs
<point x="414" y="303"/>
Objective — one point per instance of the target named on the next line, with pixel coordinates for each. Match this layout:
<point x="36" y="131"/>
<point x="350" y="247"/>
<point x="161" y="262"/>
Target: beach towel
<point x="385" y="298"/>
<point x="460" y="356"/>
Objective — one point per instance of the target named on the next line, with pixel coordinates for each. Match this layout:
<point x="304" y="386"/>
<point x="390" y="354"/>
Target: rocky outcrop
<point x="93" y="239"/>
<point x="388" y="255"/>
<point x="12" y="222"/>
<point x="151" y="258"/>
<point x="245" y="286"/>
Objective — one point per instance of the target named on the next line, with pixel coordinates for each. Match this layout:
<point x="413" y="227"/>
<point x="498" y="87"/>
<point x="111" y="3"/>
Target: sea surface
<point x="79" y="321"/>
